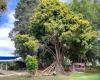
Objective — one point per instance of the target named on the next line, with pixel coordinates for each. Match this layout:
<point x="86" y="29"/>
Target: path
<point x="4" y="73"/>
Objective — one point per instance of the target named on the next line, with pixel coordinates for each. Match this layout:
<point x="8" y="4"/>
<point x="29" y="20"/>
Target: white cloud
<point x="5" y="42"/>
<point x="5" y="53"/>
<point x="11" y="19"/>
<point x="4" y="33"/>
<point x="68" y="1"/>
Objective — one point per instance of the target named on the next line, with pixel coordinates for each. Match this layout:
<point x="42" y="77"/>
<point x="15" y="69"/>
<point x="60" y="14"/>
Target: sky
<point x="6" y="24"/>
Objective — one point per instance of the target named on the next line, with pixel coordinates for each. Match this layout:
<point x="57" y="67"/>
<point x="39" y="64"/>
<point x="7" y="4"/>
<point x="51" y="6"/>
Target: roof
<point x="9" y="58"/>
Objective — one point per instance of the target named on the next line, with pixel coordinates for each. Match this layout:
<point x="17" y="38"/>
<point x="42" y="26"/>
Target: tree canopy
<point x="60" y="30"/>
<point x="89" y="8"/>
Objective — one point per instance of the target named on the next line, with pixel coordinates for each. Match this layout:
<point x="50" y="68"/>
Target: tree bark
<point x="58" y="55"/>
<point x="56" y="66"/>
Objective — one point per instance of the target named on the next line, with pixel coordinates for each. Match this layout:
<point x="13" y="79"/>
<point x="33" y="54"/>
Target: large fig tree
<point x="58" y="29"/>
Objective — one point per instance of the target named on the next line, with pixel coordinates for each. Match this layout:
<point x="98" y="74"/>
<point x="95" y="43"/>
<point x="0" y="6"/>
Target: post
<point x="6" y="67"/>
<point x="73" y="67"/>
<point x="1" y="66"/>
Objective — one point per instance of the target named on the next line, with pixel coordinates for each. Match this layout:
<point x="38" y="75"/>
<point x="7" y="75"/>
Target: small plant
<point x="31" y="63"/>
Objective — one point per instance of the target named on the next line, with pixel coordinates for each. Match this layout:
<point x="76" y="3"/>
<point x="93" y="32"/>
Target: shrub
<point x="31" y="63"/>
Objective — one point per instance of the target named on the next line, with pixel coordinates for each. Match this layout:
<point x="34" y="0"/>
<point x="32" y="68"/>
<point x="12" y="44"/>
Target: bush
<point x="66" y="62"/>
<point x="31" y="63"/>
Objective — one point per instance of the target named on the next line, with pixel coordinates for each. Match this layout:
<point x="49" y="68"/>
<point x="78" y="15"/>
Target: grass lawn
<point x="73" y="76"/>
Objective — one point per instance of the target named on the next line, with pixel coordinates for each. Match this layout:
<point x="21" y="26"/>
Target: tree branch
<point x="50" y="51"/>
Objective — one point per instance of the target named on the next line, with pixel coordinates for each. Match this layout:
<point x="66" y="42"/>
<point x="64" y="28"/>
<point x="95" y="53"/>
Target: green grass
<point x="85" y="76"/>
<point x="73" y="76"/>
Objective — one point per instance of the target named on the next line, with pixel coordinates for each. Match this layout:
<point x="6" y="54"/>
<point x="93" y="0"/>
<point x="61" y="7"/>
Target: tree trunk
<point x="58" y="55"/>
<point x="56" y="67"/>
<point x="59" y="68"/>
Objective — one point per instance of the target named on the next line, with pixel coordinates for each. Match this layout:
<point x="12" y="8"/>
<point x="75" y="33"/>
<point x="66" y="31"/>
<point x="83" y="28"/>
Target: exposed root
<point x="54" y="69"/>
<point x="49" y="70"/>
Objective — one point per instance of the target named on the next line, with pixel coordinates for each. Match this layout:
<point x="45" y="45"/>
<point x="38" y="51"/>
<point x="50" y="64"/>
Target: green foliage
<point x="89" y="8"/>
<point x="56" y="27"/>
<point x="97" y="5"/>
<point x="2" y="5"/>
<point x="31" y="45"/>
<point x="96" y="47"/>
<point x="23" y="12"/>
<point x="91" y="11"/>
<point x="46" y="60"/>
<point x="25" y="45"/>
<point x="53" y="19"/>
<point x="66" y="62"/>
<point x="31" y="63"/>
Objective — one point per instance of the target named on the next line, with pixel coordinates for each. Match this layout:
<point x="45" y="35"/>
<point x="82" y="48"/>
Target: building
<point x="5" y="59"/>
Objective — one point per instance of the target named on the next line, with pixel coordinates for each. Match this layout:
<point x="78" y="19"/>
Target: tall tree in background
<point x="91" y="11"/>
<point x="89" y="8"/>
<point x="60" y="30"/>
<point x="97" y="11"/>
<point x="23" y="13"/>
<point x="96" y="48"/>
